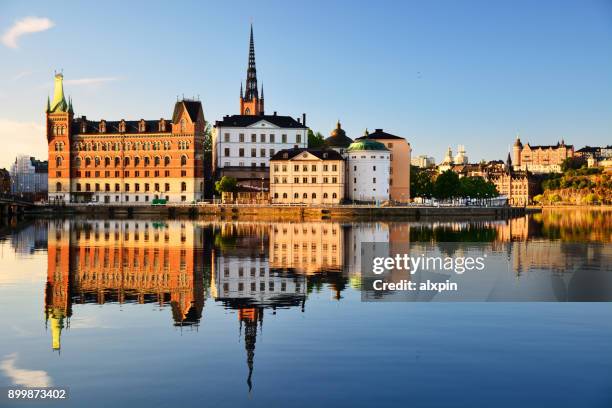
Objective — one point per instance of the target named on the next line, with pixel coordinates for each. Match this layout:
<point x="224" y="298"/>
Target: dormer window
<point x="183" y="125"/>
<point x="142" y="126"/>
<point x="83" y="127"/>
<point x="122" y="126"/>
<point x="102" y="126"/>
<point x="162" y="125"/>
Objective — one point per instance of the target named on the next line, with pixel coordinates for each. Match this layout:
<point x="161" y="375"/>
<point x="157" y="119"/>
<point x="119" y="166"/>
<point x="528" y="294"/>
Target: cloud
<point x="22" y="138"/>
<point x="90" y="81"/>
<point x="22" y="376"/>
<point x="27" y="25"/>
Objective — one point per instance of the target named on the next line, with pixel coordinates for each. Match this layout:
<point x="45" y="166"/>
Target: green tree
<point x="420" y="183"/>
<point x="477" y="187"/>
<point x="208" y="137"/>
<point x="226" y="184"/>
<point x="446" y="185"/>
<point x="573" y="163"/>
<point x="315" y="139"/>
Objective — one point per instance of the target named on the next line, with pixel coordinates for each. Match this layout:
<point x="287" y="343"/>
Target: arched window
<point x="183" y="186"/>
<point x="156" y="161"/>
<point x="87" y="162"/>
<point x="183" y="160"/>
<point x="126" y="161"/>
<point x="77" y="162"/>
<point x="147" y="161"/>
<point x="324" y="195"/>
<point x="58" y="186"/>
<point x="305" y="195"/>
<point x="107" y="161"/>
<point x="117" y="161"/>
<point x="314" y="195"/>
<point x="284" y="195"/>
<point x="247" y="111"/>
<point x="97" y="161"/>
<point x="58" y="161"/>
<point x="136" y="161"/>
<point x="334" y="195"/>
<point x="296" y="195"/>
<point x="166" y="161"/>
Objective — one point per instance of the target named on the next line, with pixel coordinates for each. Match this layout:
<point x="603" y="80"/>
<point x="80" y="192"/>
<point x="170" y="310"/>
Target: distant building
<point x="307" y="176"/>
<point x="29" y="176"/>
<point x="519" y="186"/>
<point x="423" y="161"/>
<point x="448" y="161"/>
<point x="540" y="159"/>
<point x="399" y="179"/>
<point x="596" y="156"/>
<point x="243" y="144"/>
<point x="461" y="158"/>
<point x="369" y="171"/>
<point x="5" y="181"/>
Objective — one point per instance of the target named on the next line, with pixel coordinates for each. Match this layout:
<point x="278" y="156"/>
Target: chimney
<point x="299" y="120"/>
<point x="304" y="119"/>
<point x="378" y="130"/>
<point x="274" y="113"/>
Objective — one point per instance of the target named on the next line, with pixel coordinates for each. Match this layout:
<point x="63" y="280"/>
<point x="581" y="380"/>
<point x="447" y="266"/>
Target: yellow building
<point x="307" y="176"/>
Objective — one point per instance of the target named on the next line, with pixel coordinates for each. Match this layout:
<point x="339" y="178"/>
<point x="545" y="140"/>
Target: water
<point x="150" y="313"/>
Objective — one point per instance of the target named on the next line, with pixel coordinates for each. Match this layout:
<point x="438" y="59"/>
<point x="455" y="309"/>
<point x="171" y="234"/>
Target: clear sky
<point x="439" y="73"/>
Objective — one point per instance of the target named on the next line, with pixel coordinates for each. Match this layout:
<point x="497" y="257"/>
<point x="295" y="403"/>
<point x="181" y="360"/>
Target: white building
<point x="244" y="144"/>
<point x="423" y="161"/>
<point x="461" y="158"/>
<point x="369" y="164"/>
<point x="29" y="175"/>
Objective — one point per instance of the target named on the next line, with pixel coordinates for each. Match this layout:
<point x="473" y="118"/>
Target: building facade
<point x="307" y="176"/>
<point x="29" y="176"/>
<point x="369" y="171"/>
<point x="127" y="162"/>
<point x="243" y="144"/>
<point x="5" y="181"/>
<point x="399" y="180"/>
<point x="540" y="159"/>
<point x="423" y="161"/>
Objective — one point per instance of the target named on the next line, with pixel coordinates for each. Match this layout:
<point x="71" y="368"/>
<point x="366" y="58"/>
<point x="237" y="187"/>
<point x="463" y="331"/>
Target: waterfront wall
<point x="228" y="211"/>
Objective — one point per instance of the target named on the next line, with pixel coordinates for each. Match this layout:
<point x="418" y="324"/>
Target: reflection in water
<point x="251" y="267"/>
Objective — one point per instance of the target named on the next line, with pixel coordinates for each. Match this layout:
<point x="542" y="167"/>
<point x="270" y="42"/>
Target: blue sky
<point x="437" y="72"/>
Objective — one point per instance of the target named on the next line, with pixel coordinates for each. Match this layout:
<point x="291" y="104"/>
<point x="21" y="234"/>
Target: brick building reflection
<point x="127" y="261"/>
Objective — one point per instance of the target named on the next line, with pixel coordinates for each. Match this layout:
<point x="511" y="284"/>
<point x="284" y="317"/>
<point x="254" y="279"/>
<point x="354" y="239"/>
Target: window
<point x="146" y="187"/>
<point x="183" y="186"/>
<point x="253" y="138"/>
<point x="334" y="167"/>
<point x="226" y="138"/>
<point x="226" y="152"/>
<point x="313" y="180"/>
<point x="117" y="187"/>
<point x="305" y="180"/>
<point x="374" y="168"/>
<point x="305" y="195"/>
<point x="241" y="137"/>
<point x="253" y="152"/>
<point x="298" y="138"/>
<point x="295" y="195"/>
<point x="271" y="152"/>
<point x="166" y="161"/>
<point x="334" y="180"/>
<point x="58" y="186"/>
<point x="283" y="138"/>
<point x="107" y="161"/>
<point x="374" y="180"/>
<point x="58" y="161"/>
<point x="296" y="180"/>
<point x="127" y="187"/>
<point x="241" y="152"/>
<point x="126" y="161"/>
<point x="325" y="167"/>
<point x="272" y="138"/>
<point x="314" y="195"/>
<point x="313" y="167"/>
<point x="262" y="152"/>
<point x="334" y="195"/>
<point x="262" y="138"/>
<point x="324" y="195"/>
<point x="183" y="160"/>
<point x="284" y="195"/>
<point x="136" y="187"/>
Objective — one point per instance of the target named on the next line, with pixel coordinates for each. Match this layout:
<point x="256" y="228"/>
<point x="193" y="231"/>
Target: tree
<point x="420" y="183"/>
<point x="477" y="187"/>
<point x="573" y="163"/>
<point x="226" y="184"/>
<point x="446" y="185"/>
<point x="315" y="139"/>
<point x="208" y="137"/>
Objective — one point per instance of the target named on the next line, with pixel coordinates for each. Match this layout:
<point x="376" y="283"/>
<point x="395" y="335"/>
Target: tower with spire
<point x="59" y="115"/>
<point x="250" y="101"/>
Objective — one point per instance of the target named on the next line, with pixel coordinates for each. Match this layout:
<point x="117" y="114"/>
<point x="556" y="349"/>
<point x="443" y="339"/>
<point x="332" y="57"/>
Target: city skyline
<point x="479" y="72"/>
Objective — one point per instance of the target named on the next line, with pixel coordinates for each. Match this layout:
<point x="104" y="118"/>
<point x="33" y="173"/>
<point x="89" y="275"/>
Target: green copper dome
<point x="365" y="144"/>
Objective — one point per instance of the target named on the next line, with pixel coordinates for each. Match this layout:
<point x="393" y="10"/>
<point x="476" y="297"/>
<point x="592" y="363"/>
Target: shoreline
<point x="271" y="212"/>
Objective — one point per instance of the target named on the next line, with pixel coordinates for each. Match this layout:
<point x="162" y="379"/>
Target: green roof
<point x="365" y="144"/>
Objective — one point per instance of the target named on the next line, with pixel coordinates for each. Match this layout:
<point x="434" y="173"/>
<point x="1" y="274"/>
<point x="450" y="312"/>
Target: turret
<point x="516" y="151"/>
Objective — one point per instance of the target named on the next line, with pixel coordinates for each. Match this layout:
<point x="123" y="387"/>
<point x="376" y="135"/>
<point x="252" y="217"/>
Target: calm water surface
<point x="163" y="313"/>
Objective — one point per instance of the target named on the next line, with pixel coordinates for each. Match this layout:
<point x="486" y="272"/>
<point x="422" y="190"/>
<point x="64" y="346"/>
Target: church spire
<point x="250" y="102"/>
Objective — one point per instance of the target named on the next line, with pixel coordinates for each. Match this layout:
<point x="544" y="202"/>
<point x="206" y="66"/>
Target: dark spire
<point x="262" y="93"/>
<point x="251" y="84"/>
<point x="240" y="89"/>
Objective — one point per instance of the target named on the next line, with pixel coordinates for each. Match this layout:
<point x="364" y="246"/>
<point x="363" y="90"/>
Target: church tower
<point x="59" y="118"/>
<point x="250" y="102"/>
